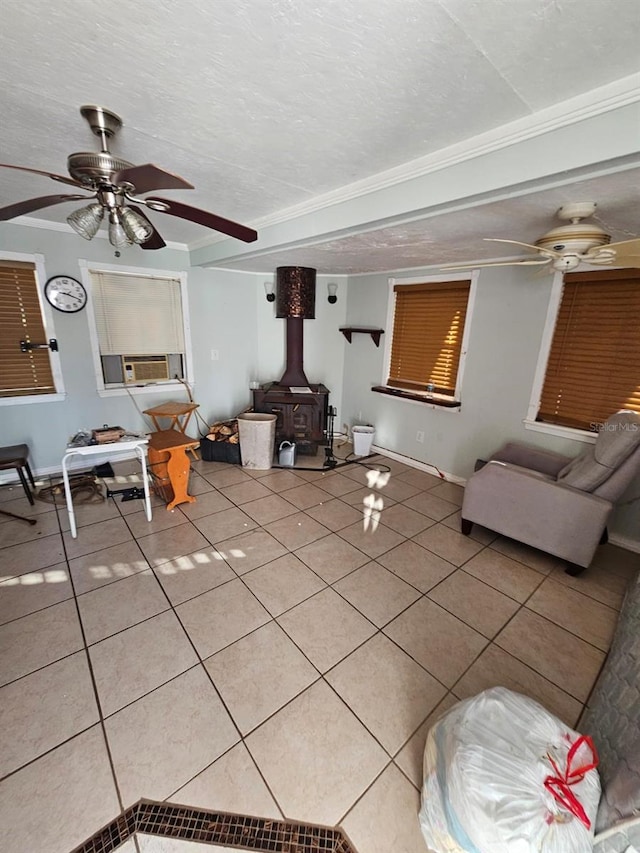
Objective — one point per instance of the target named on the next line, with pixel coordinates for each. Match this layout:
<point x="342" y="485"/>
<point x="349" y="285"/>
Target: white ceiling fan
<point x="566" y="247"/>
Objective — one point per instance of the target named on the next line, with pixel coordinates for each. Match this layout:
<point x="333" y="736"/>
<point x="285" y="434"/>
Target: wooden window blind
<point x="594" y="362"/>
<point x="427" y="335"/>
<point x="22" y="373"/>
<point x="137" y="315"/>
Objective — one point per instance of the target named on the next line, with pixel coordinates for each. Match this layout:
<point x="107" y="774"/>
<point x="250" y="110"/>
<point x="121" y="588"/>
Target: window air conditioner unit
<point x="145" y="368"/>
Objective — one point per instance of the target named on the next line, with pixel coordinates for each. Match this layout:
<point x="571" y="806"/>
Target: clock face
<point x="66" y="294"/>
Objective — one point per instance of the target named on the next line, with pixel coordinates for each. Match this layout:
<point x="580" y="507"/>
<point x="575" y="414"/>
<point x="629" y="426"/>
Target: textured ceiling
<point x="264" y="105"/>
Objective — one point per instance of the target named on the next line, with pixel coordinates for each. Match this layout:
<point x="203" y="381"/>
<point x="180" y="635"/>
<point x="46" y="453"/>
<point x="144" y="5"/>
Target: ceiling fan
<point x="566" y="247"/>
<point x="114" y="184"/>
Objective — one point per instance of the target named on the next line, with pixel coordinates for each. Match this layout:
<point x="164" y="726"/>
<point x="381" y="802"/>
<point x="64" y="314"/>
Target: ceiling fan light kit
<point x="565" y="247"/>
<point x="115" y="184"/>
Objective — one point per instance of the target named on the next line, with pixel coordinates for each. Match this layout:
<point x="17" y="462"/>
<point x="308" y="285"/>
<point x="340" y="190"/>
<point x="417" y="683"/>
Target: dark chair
<point x="17" y="456"/>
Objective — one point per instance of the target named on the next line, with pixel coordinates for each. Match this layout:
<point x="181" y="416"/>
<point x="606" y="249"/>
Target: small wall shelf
<point x="375" y="332"/>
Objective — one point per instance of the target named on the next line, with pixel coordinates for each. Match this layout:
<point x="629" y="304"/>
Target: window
<point x="428" y="340"/>
<point x="139" y="327"/>
<point x="26" y="375"/>
<point x="593" y="365"/>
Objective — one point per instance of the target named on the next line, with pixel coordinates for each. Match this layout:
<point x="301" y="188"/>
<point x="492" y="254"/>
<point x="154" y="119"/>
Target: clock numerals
<point x="66" y="294"/>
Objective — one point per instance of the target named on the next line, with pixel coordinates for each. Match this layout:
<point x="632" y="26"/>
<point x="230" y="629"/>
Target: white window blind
<point x="137" y="314"/>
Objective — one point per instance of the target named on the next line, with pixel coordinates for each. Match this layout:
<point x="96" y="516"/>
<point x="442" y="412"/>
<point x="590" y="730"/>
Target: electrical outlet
<point x="215" y="355"/>
<point x="420" y="436"/>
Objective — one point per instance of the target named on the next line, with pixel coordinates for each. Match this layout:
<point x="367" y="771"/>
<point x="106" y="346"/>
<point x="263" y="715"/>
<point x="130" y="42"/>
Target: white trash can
<point x="362" y="439"/>
<point x="257" y="439"/>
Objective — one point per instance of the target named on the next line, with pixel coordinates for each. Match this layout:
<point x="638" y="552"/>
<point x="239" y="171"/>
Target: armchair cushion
<point x="617" y="440"/>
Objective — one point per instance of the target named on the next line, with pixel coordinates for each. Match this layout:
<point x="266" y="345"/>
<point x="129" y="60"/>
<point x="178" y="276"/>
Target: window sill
<point x="136" y="390"/>
<point x="561" y="431"/>
<point x="435" y="400"/>
<point x="32" y="398"/>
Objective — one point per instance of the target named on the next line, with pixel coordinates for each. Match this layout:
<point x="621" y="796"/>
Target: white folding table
<point x="102" y="452"/>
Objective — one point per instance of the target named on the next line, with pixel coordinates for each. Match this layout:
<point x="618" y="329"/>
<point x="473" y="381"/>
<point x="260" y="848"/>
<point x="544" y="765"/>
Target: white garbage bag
<point x="503" y="775"/>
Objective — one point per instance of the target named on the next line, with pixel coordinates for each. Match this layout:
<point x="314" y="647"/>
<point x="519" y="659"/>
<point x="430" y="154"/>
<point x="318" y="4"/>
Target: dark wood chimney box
<point x="302" y="418"/>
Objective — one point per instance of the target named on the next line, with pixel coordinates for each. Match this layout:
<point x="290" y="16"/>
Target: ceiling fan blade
<point x="628" y="244"/>
<point x="148" y="177"/>
<point x="525" y="262"/>
<point x="550" y="252"/>
<point x="209" y="220"/>
<point x="52" y="175"/>
<point x="31" y="204"/>
<point x="155" y="241"/>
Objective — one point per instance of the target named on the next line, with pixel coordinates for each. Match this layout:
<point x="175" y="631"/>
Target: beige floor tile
<point x="579" y="614"/>
<point x="497" y="668"/>
<point x="39" y="639"/>
<point x="86" y="514"/>
<point x="224" y="525"/>
<point x="452" y="492"/>
<point x="104" y="567"/>
<point x="598" y="583"/>
<point x="440" y="642"/>
<point x="175" y="542"/>
<point x="279" y="481"/>
<point x="331" y="557"/>
<point x="120" y="605"/>
<point x="502" y="573"/>
<point x="372" y="540"/>
<point x="376" y="592"/>
<point x="283" y="583"/>
<point x="411" y="756"/>
<point x="31" y="556"/>
<point x="404" y="520"/>
<point x="326" y="628"/>
<point x="33" y="591"/>
<point x="259" y="674"/>
<point x="136" y="661"/>
<point x="306" y="495"/>
<point x="531" y="557"/>
<point x="448" y="544"/>
<point x="396" y="467"/>
<point x="337" y="484"/>
<point x="269" y="509"/>
<point x="221" y="616"/>
<point x="416" y="565"/>
<point x="386" y="818"/>
<point x="162" y="520"/>
<point x="618" y="560"/>
<point x="250" y="550"/>
<point x="164" y="739"/>
<point x="198" y="485"/>
<point x="40" y="711"/>
<point x="362" y="499"/>
<point x="477" y="604"/>
<point x="230" y="475"/>
<point x="193" y="574"/>
<point x="97" y="536"/>
<point x="202" y="466"/>
<point x="316" y="757"/>
<point x="374" y="673"/>
<point x="432" y="506"/>
<point x="395" y="489"/>
<point x="230" y="784"/>
<point x="335" y="514"/>
<point x="126" y="508"/>
<point x="242" y="493"/>
<point x="363" y="475"/>
<point x="21" y="506"/>
<point x="76" y="772"/>
<point x="14" y="532"/>
<point x="297" y="530"/>
<point x="422" y="479"/>
<point x="478" y="532"/>
<point x="553" y="652"/>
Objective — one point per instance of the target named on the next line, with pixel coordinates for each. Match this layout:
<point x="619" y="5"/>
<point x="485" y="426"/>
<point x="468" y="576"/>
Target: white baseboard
<point x="420" y="466"/>
<point x="625" y="542"/>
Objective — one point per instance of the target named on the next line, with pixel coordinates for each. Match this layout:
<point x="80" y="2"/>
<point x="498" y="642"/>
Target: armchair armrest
<point x="526" y="456"/>
<point x="537" y="511"/>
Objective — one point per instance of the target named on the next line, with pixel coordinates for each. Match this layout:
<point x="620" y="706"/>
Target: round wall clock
<point x="65" y="293"/>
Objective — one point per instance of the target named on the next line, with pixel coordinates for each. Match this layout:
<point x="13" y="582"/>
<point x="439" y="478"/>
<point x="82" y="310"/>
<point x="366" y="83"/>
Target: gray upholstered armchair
<point x="554" y="503"/>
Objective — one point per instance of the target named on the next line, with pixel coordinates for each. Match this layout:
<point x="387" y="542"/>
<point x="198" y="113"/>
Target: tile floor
<point x="278" y="648"/>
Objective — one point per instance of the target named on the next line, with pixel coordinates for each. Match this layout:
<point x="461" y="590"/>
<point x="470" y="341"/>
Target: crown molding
<point x="615" y="95"/>
<point x="49" y="225"/>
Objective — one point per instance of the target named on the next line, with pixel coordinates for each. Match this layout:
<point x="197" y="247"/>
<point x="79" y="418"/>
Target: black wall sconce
<point x="269" y="291"/>
<point x="332" y="287"/>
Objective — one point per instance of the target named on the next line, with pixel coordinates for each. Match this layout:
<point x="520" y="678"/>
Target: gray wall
<point x="506" y="332"/>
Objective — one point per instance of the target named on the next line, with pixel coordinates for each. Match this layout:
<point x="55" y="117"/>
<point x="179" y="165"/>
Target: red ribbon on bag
<point x="559" y="786"/>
